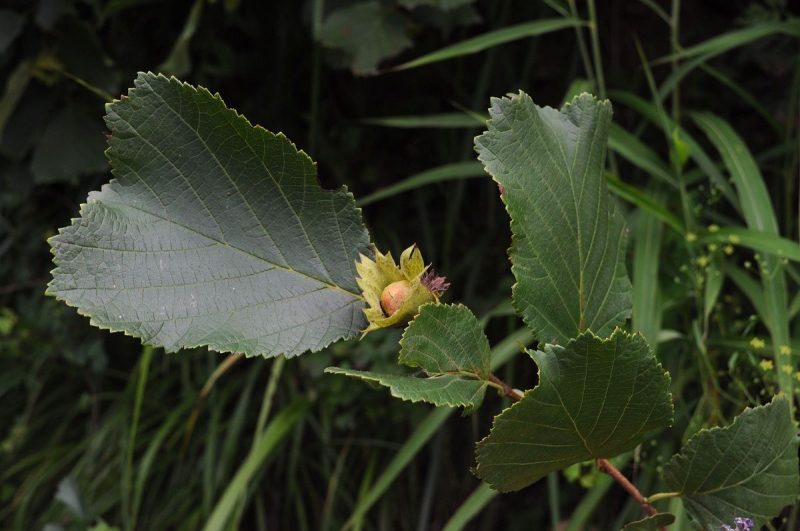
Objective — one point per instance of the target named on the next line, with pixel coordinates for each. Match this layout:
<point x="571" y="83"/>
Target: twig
<point x="507" y="389"/>
<point x="604" y="465"/>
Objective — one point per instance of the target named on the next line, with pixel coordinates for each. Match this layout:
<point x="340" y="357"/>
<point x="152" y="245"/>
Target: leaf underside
<point x="448" y="344"/>
<point x="596" y="398"/>
<point x="748" y="469"/>
<point x="568" y="244"/>
<point x="213" y="233"/>
<point x="443" y="391"/>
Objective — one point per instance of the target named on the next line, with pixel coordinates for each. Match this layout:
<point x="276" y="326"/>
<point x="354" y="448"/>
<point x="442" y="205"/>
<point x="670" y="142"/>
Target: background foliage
<point x="93" y="429"/>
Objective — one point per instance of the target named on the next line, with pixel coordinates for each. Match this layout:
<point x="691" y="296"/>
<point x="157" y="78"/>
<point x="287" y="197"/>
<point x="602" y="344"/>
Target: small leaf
<point x="446" y="338"/>
<point x="568" y="245"/>
<point x="214" y="232"/>
<point x="367" y="33"/>
<point x="448" y="343"/>
<point x="748" y="469"/>
<point x="651" y="523"/>
<point x="445" y="390"/>
<point x="596" y="398"/>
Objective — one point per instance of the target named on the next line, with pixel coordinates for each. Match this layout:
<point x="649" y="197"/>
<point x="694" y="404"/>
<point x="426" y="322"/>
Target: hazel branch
<point x="604" y="465"/>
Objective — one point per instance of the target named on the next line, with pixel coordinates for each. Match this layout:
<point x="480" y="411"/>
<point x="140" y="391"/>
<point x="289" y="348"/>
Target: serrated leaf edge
<point x="617" y="331"/>
<point x="122" y="100"/>
<point x="514" y="237"/>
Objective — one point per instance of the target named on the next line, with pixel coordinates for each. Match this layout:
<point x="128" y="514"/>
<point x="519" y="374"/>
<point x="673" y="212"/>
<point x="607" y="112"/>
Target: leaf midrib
<point x="230" y="246"/>
<point x="224" y="243"/>
<point x="236" y="187"/>
<point x="742" y="481"/>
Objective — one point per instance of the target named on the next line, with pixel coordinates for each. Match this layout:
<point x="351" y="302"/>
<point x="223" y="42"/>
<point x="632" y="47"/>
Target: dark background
<point x="67" y="390"/>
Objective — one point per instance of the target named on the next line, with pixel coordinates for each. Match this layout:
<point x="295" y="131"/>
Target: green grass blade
<point x="751" y="289"/>
<point x="633" y="150"/>
<point x="644" y="202"/>
<point x="755" y="201"/>
<point x="276" y="430"/>
<point x="146" y="463"/>
<point x="579" y="519"/>
<point x="501" y="353"/>
<point x="446" y="172"/>
<point x="127" y="477"/>
<point x="765" y="242"/>
<point x="470" y="508"/>
<point x="646" y="292"/>
<point x="794" y="306"/>
<point x="425" y="430"/>
<point x="733" y="39"/>
<point x="712" y="289"/>
<point x="452" y="120"/>
<point x="760" y="216"/>
<point x="491" y="39"/>
<point x="650" y="112"/>
<point x="745" y="96"/>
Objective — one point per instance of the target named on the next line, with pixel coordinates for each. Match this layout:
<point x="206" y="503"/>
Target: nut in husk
<point x="394" y="294"/>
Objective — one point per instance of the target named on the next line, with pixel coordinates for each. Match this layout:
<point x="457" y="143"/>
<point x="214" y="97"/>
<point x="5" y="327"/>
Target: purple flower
<point x="742" y="524"/>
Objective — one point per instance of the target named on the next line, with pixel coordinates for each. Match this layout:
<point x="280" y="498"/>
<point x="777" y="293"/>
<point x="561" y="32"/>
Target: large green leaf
<point x="214" y="232"/>
<point x="568" y="240"/>
<point x="596" y="398"/>
<point x="447" y="342"/>
<point x="748" y="469"/>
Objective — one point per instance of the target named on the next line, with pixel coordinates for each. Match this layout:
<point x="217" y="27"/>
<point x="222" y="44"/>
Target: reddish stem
<point x="604" y="465"/>
<point x="507" y="389"/>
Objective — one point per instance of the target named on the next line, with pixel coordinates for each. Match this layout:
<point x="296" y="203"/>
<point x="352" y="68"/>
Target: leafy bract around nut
<point x="375" y="276"/>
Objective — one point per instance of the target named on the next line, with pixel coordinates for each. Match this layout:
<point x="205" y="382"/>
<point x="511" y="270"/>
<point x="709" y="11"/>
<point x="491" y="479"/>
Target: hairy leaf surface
<point x="568" y="243"/>
<point x="214" y="232"/>
<point x="448" y="343"/>
<point x="596" y="398"/>
<point x="748" y="469"/>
